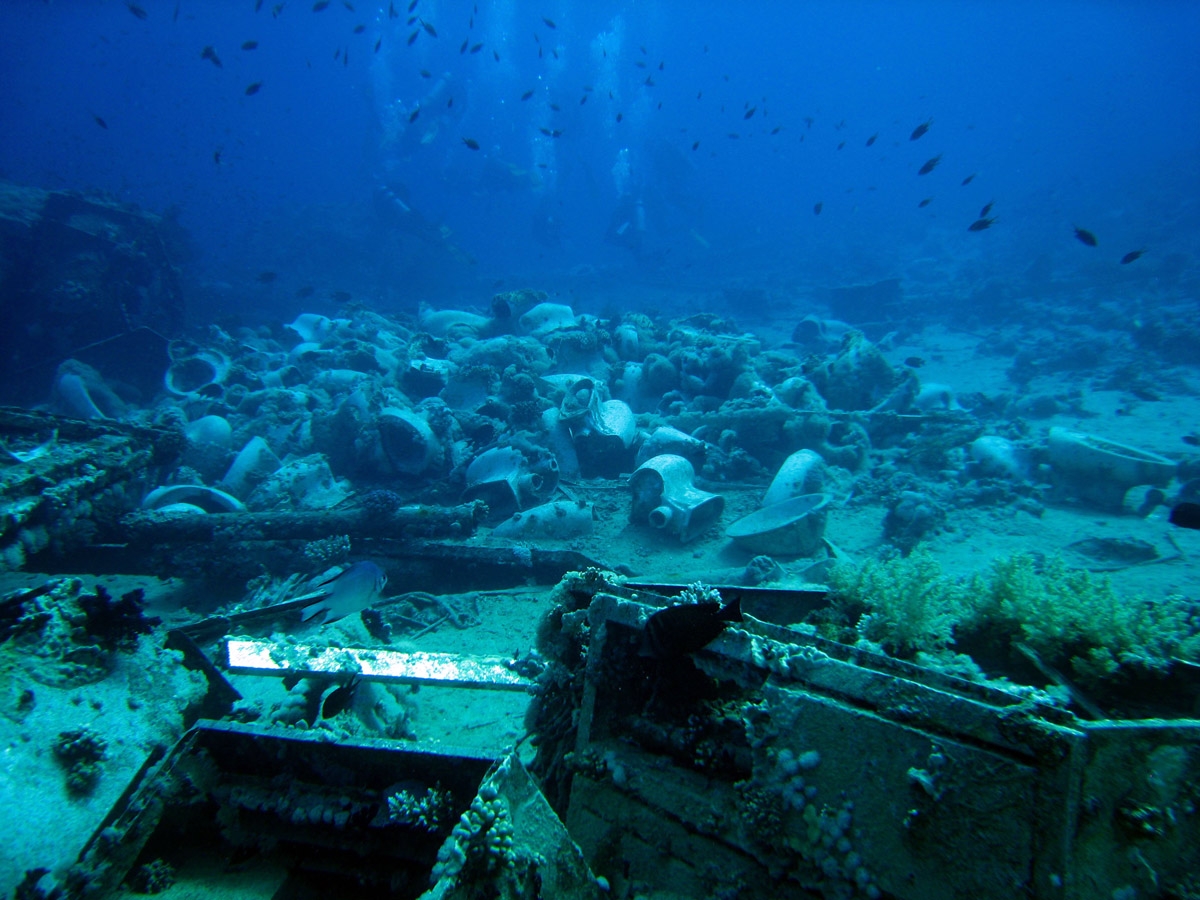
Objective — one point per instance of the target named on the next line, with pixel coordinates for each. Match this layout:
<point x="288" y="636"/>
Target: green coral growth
<point x="910" y="605"/>
<point x="1069" y="617"/>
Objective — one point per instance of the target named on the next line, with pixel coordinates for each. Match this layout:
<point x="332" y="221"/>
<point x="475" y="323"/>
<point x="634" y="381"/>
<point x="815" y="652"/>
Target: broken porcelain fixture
<point x="792" y="527"/>
<point x="500" y="478"/>
<point x="253" y="464"/>
<point x="801" y="473"/>
<point x="998" y="457"/>
<point x="666" y="439"/>
<point x="604" y="443"/>
<point x="557" y="521"/>
<point x="191" y="498"/>
<point x="665" y="498"/>
<point x="313" y="327"/>
<point x="194" y="371"/>
<point x="1099" y="471"/>
<point x="407" y="440"/>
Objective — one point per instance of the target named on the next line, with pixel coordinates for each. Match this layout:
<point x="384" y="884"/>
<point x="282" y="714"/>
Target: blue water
<point x="1066" y="113"/>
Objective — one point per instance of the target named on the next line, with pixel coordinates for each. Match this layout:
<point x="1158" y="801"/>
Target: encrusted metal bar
<point x="249" y="657"/>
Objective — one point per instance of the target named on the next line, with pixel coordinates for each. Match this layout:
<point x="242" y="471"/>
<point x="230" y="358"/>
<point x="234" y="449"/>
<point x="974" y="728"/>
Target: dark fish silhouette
<point x="679" y="630"/>
<point x="924" y="203"/>
<point x="1185" y="515"/>
<point x="137" y="11"/>
<point x="320" y="5"/>
<point x="527" y="95"/>
<point x="914" y="362"/>
<point x="252" y="89"/>
<point x="695" y="145"/>
<point x="250" y="45"/>
<point x="1131" y="256"/>
<point x="817" y="207"/>
<point x="930" y="165"/>
<point x="475" y="48"/>
<point x="920" y="130"/>
<point x="378" y="44"/>
<point x="100" y="121"/>
<point x="987" y="208"/>
<point x="429" y="29"/>
<point x="841" y="145"/>
<point x="981" y="224"/>
<point x="217" y="156"/>
<point x="412" y="6"/>
<point x="968" y="179"/>
<point x="471" y="143"/>
<point x="211" y="55"/>
<point x="359" y="29"/>
<point x="463" y="48"/>
<point x="777" y="129"/>
<point x="872" y="139"/>
<point x="1085" y="237"/>
<point x="266" y="277"/>
<point x="749" y="114"/>
<point x="412" y="116"/>
<point x="392" y="14"/>
<point x="412" y="38"/>
<point x="549" y="22"/>
<point x="339" y="699"/>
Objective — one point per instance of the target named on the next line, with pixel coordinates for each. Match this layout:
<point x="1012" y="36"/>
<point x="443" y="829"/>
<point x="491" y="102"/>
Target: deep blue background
<point x="1069" y="113"/>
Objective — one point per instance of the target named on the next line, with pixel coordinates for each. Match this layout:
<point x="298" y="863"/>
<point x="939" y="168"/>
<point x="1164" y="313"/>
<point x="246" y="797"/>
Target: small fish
<point x="920" y="130"/>
<point x="258" y="5"/>
<point x="266" y="277"/>
<point x="359" y="29"/>
<point x="211" y="55"/>
<point x="527" y="95"/>
<point x="463" y="49"/>
<point x="449" y="102"/>
<point x="924" y="203"/>
<point x="342" y="296"/>
<point x="968" y="179"/>
<point x="1085" y="237"/>
<point x="649" y="82"/>
<point x="496" y="55"/>
<point x="475" y="48"/>
<point x="345" y="56"/>
<point x="471" y="143"/>
<point x="555" y="107"/>
<point x="425" y="73"/>
<point x="250" y="45"/>
<point x="252" y="89"/>
<point x="378" y="44"/>
<point x="583" y="99"/>
<point x="808" y="121"/>
<point x="1131" y="256"/>
<point x="981" y="224"/>
<point x="817" y="207"/>
<point x="930" y="165"/>
<point x="987" y="208"/>
<point x="137" y="11"/>
<point x="549" y="22"/>
<point x="348" y="5"/>
<point x="1185" y="515"/>
<point x="412" y="116"/>
<point x="914" y="362"/>
<point x="412" y="38"/>
<point x="872" y="139"/>
<point x="749" y="114"/>
<point x="276" y="10"/>
<point x="217" y="156"/>
<point x="841" y="145"/>
<point x="100" y="121"/>
<point x="351" y="590"/>
<point x="320" y="5"/>
<point x="412" y="6"/>
<point x="620" y="116"/>
<point x="392" y="14"/>
<point x="679" y="630"/>
<point x="429" y="29"/>
<point x="777" y="129"/>
<point x="1191" y="440"/>
<point x="695" y="145"/>
<point x="339" y="699"/>
<point x="305" y="292"/>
